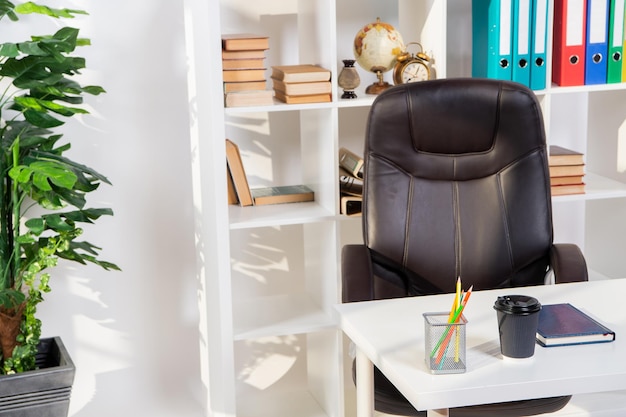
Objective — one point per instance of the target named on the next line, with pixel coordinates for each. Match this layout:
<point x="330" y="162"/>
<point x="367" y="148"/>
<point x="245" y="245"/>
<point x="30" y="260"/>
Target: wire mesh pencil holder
<point x="444" y="344"/>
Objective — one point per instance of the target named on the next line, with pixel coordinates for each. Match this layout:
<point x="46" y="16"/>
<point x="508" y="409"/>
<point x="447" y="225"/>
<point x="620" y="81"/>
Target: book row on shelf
<point x="509" y="41"/>
<point x="567" y="171"/>
<point x="245" y="82"/>
<point x="239" y="191"/>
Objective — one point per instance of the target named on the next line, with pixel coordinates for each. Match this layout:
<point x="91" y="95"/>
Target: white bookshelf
<point x="269" y="275"/>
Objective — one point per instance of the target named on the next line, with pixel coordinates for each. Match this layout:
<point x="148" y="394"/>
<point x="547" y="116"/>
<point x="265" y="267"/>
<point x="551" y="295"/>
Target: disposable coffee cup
<point x="518" y="316"/>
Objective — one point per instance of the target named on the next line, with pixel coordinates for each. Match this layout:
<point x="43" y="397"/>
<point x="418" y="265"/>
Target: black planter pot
<point x="44" y="392"/>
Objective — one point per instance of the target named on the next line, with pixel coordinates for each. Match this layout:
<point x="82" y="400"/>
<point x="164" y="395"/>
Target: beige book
<point x="245" y="54"/>
<point x="244" y="41"/>
<point x="302" y="89"/>
<point x="571" y="180"/>
<point x="243" y="75"/>
<point x="563" y="156"/>
<point x="566" y="170"/>
<point x="300" y="73"/>
<point x="249" y="98"/>
<point x="229" y="64"/>
<point x="245" y="86"/>
<point x="313" y="98"/>
<point x="567" y="189"/>
<point x="238" y="174"/>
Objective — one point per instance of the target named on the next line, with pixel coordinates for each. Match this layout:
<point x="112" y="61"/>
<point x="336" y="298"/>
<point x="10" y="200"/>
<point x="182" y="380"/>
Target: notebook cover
<point x="564" y="324"/>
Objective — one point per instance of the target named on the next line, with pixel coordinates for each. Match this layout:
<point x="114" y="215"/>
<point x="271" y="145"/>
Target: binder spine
<point x="539" y="40"/>
<point x="521" y="41"/>
<point x="597" y="41"/>
<point x="616" y="39"/>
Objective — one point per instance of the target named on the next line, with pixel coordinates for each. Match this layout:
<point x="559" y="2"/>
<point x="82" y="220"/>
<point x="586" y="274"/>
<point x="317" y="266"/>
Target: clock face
<point x="414" y="71"/>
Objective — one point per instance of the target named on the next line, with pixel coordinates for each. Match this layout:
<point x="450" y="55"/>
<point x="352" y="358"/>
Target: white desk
<point x="390" y="333"/>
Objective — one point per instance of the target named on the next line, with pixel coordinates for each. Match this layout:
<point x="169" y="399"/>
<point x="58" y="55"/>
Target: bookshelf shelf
<point x="270" y="274"/>
<point x="277" y="215"/>
<point x="279" y="315"/>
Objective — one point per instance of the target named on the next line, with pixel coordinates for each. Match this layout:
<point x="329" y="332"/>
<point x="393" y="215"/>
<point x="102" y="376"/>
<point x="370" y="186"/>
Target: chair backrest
<point x="457" y="184"/>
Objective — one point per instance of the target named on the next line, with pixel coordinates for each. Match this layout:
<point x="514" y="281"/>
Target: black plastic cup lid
<point x="517" y="304"/>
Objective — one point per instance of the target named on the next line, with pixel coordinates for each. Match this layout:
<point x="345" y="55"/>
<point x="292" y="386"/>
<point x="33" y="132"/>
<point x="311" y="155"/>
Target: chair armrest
<point x="568" y="263"/>
<point x="356" y="274"/>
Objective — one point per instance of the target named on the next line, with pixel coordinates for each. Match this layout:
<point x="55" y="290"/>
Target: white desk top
<point x="391" y="334"/>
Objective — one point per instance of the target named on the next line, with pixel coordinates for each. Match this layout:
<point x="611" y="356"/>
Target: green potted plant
<point x="42" y="191"/>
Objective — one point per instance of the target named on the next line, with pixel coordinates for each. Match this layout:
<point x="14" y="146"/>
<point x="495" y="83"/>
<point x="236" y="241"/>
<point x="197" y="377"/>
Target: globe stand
<point x="379" y="86"/>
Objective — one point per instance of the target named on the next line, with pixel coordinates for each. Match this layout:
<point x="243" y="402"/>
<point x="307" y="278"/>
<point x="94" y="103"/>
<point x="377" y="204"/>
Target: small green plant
<point x="42" y="191"/>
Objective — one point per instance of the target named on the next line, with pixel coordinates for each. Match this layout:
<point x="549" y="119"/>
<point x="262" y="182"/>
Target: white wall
<point x="133" y="335"/>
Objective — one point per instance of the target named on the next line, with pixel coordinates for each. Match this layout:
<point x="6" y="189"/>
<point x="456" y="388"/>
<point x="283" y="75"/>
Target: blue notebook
<point x="564" y="324"/>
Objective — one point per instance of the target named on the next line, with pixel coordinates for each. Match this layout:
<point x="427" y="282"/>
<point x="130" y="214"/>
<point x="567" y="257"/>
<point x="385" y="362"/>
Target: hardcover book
<point x="238" y="174"/>
<point x="245" y="54"/>
<point x="311" y="98"/>
<point x="249" y="98"/>
<point x="233" y="64"/>
<point x="563" y="324"/>
<point x="302" y="89"/>
<point x="567" y="189"/>
<point x="244" y="41"/>
<point x="245" y="86"/>
<point x="571" y="180"/>
<point x="282" y="194"/>
<point x="243" y="75"/>
<point x="300" y="73"/>
<point x="351" y="162"/>
<point x="566" y="170"/>
<point x="563" y="156"/>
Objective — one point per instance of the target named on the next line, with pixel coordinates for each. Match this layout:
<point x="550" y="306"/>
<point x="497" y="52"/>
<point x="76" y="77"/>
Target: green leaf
<point x="30" y="7"/>
<point x="10" y="298"/>
<point x="40" y="105"/>
<point x="42" y="119"/>
<point x="36" y="226"/>
<point x="9" y="50"/>
<point x="56" y="223"/>
<point x="6" y="9"/>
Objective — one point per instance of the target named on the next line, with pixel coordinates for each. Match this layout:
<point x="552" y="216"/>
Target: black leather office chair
<point x="456" y="184"/>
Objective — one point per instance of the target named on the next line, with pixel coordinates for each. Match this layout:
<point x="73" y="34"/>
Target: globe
<point x="376" y="47"/>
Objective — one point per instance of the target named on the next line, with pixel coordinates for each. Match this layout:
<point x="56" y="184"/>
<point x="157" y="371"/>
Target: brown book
<point x="351" y="163"/>
<point x="566" y="170"/>
<point x="245" y="41"/>
<point x="564" y="156"/>
<point x="351" y="205"/>
<point x="575" y="179"/>
<point x="249" y="98"/>
<point x="245" y="86"/>
<point x="282" y="194"/>
<point x="229" y="64"/>
<point x="313" y="98"/>
<point x="245" y="54"/>
<point x="232" y="194"/>
<point x="238" y="173"/>
<point x="302" y="89"/>
<point x="300" y="73"/>
<point x="567" y="189"/>
<point x="243" y="75"/>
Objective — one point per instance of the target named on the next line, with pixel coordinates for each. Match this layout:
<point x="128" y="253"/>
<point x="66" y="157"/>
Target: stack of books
<point x="301" y="84"/>
<point x="567" y="171"/>
<point x="243" y="70"/>
<point x="239" y="192"/>
<point x="350" y="182"/>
